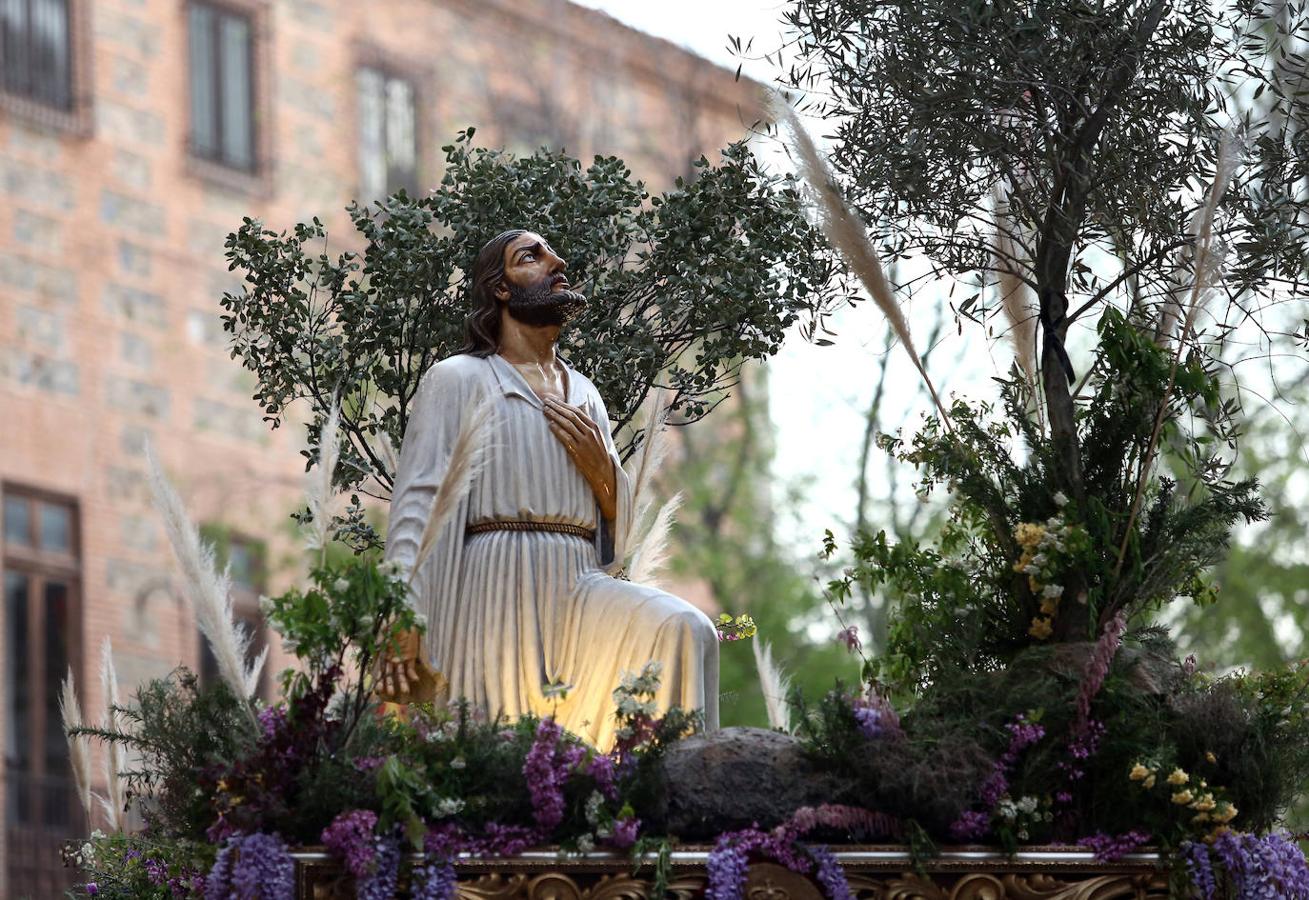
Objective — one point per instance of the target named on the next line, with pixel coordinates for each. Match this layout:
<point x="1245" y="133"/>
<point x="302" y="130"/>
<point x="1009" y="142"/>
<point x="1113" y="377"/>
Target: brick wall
<point x="111" y="258"/>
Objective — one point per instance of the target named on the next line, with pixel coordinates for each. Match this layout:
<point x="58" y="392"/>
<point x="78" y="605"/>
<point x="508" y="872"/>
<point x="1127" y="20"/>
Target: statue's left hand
<point x="585" y="444"/>
<point x="397" y="674"/>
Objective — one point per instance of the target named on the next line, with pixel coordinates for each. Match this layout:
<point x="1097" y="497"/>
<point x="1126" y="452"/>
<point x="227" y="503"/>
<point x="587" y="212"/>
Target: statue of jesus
<point x="519" y="590"/>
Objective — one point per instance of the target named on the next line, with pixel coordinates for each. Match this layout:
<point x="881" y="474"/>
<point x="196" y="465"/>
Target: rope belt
<point x="530" y="525"/>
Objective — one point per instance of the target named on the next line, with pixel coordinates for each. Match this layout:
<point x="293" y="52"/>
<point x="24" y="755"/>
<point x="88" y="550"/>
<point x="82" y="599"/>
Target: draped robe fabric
<point x="510" y="612"/>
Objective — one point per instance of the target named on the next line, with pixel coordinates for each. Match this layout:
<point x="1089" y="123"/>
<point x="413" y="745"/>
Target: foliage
<point x="1173" y="756"/>
<point x="683" y="287"/>
<point x="140" y="867"/>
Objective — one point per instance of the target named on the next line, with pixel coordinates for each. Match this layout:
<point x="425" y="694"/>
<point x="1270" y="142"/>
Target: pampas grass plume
<point x="79" y="755"/>
<point x="652" y="552"/>
<point x="849" y="236"/>
<point x="320" y="492"/>
<point x="115" y="800"/>
<point x="645" y="464"/>
<point x="775" y="686"/>
<point x="209" y="591"/>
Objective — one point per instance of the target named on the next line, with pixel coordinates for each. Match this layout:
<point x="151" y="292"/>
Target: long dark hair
<point x="482" y="326"/>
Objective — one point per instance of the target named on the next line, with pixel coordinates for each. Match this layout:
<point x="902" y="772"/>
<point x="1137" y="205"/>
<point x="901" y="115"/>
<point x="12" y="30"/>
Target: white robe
<point x="510" y="612"/>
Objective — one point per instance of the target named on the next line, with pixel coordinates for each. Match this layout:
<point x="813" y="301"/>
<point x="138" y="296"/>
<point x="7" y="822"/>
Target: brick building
<point x="134" y="134"/>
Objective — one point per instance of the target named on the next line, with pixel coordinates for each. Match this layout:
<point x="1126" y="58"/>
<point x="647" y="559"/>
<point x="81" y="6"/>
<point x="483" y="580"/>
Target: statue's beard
<point x="540" y="305"/>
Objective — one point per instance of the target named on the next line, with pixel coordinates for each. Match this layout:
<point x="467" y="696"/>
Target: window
<point x="388" y="136"/>
<point x="36" y="58"/>
<point x="222" y="86"/>
<point x="42" y="632"/>
<point x="245" y="561"/>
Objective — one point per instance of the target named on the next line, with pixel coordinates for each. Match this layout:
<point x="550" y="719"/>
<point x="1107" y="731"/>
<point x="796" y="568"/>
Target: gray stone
<point x="206" y="239"/>
<point x="137" y="351"/>
<point x="127" y="485"/>
<point x="132" y="440"/>
<point x="58" y="376"/>
<point x="135" y="259"/>
<point x="35" y="144"/>
<point x="307" y="98"/>
<point x="305" y="57"/>
<point x="37" y="325"/>
<point x="39" y="232"/>
<point x="244" y="423"/>
<point x="311" y="14"/>
<point x="134" y="305"/>
<point x="128" y="212"/>
<point x="45" y="281"/>
<point x="124" y="123"/>
<point x="129" y="77"/>
<point x="35" y="186"/>
<point x="139" y="533"/>
<point x="734" y="778"/>
<point x="132" y="169"/>
<point x="128" y="32"/>
<point x="135" y="396"/>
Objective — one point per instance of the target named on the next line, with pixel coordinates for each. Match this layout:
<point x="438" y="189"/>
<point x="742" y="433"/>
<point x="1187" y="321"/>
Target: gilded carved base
<point x="873" y="874"/>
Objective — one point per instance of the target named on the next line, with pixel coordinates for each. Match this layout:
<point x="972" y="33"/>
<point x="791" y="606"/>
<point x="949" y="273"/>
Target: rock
<point x="735" y="778"/>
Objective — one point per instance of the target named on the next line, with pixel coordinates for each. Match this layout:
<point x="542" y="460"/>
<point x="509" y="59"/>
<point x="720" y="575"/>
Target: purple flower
<point x="1256" y="867"/>
<point x="728" y="865"/>
<point x="830" y="875"/>
<point x="850" y="637"/>
<point x="970" y="826"/>
<point x="1111" y="847"/>
<point x="381" y="882"/>
<point x="369" y="763"/>
<point x="92" y="888"/>
<point x="545" y="776"/>
<point x="434" y="881"/>
<point x="601" y="768"/>
<point x="350" y="836"/>
<point x="156" y="871"/>
<point x="626" y="831"/>
<point x="1199" y="867"/>
<point x="271" y="720"/>
<point x="252" y="867"/>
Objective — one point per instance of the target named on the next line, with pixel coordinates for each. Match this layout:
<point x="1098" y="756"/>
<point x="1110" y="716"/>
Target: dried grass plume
<point x="849" y="236"/>
<point x="775" y="686"/>
<point x="652" y="550"/>
<point x="115" y="800"/>
<point x="209" y="590"/>
<point x="79" y="752"/>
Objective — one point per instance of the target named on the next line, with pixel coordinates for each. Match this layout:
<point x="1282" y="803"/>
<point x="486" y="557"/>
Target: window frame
<point x="418" y="76"/>
<point x="254" y="180"/>
<point x="42" y="567"/>
<point x="76" y="118"/>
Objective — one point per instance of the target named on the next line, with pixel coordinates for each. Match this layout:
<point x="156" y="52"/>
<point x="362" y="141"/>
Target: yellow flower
<point x="1200" y="819"/>
<point x="1028" y="534"/>
<point x="1050" y="605"/>
<point x="1216" y="833"/>
<point x="1210" y="758"/>
<point x="1138" y="773"/>
<point x="1204" y="804"/>
<point x="1181" y="798"/>
<point x="1040" y="628"/>
<point x="1149" y="782"/>
<point x="1178" y="777"/>
<point x="1226" y="814"/>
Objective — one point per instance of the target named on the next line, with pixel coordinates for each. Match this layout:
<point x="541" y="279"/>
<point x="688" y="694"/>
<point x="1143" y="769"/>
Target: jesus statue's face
<point x="535" y="289"/>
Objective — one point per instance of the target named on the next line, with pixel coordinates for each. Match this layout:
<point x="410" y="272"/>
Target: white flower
<point x="420" y="620"/>
<point x="585" y="844"/>
<point x="594" y="804"/>
<point x="448" y="806"/>
<point x="1052" y="591"/>
<point x="1027" y="804"/>
<point x="1040" y="559"/>
<point x="458" y="763"/>
<point x="1022" y="834"/>
<point x="265" y="604"/>
<point x="1060" y="499"/>
<point x="341" y="585"/>
<point x="392" y="568"/>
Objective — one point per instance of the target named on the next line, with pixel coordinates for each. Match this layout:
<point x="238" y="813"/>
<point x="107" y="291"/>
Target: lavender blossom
<point x="350" y="836"/>
<point x="830" y="875"/>
<point x="728" y="866"/>
<point x="1256" y="867"/>
<point x="435" y="881"/>
<point x="380" y="884"/>
<point x="1111" y="847"/>
<point x="252" y="867"/>
<point x="545" y="777"/>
